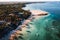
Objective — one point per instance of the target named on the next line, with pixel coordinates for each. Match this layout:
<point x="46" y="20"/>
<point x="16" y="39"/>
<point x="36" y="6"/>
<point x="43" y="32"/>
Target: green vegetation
<point x="10" y="17"/>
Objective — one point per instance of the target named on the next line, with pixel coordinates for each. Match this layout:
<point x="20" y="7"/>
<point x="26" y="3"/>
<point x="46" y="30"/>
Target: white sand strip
<point x="16" y="32"/>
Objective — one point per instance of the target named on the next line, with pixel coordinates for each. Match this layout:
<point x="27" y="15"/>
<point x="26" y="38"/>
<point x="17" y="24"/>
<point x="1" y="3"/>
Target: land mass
<point x="35" y="14"/>
<point x="13" y="17"/>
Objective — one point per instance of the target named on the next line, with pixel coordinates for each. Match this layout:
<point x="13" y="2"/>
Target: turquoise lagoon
<point x="47" y="27"/>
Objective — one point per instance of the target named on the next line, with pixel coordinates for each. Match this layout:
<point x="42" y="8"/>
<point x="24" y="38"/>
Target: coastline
<point x="29" y="21"/>
<point x="17" y="31"/>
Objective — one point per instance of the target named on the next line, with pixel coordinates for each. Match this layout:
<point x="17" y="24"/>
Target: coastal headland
<point x="13" y="19"/>
<point x="35" y="14"/>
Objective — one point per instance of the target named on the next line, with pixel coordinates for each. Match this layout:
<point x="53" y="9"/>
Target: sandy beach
<point x="17" y="32"/>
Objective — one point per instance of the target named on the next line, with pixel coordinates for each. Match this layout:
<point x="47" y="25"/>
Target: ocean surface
<point x="47" y="27"/>
<point x="51" y="7"/>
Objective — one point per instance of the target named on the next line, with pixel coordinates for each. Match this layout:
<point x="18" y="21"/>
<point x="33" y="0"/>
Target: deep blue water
<point x="45" y="28"/>
<point x="51" y="7"/>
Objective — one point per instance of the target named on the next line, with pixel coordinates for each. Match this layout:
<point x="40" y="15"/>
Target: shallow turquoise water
<point x="47" y="27"/>
<point x="43" y="28"/>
